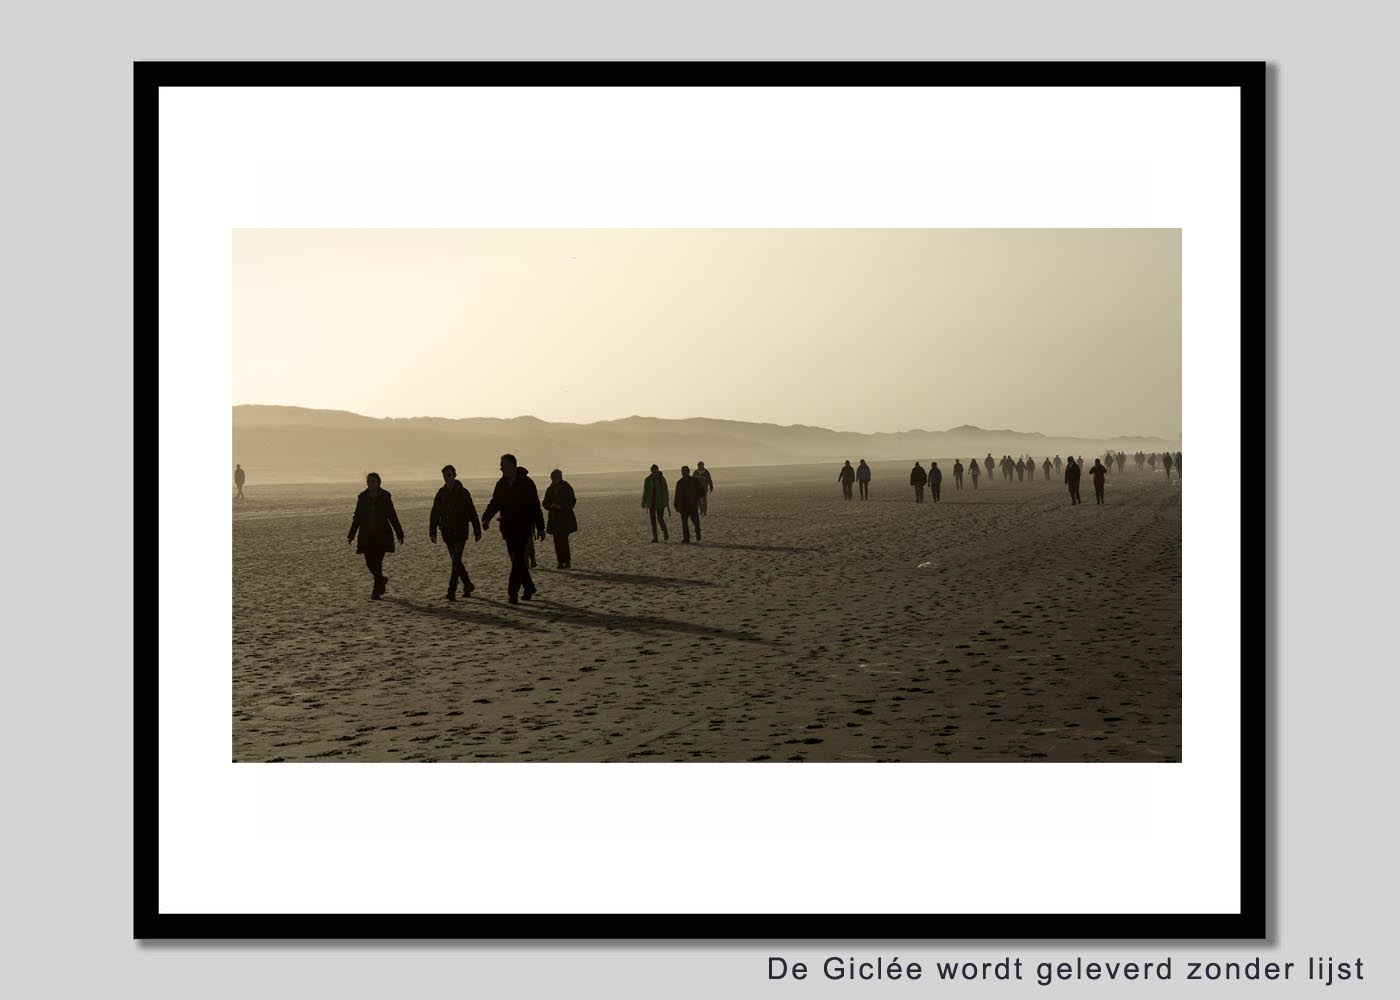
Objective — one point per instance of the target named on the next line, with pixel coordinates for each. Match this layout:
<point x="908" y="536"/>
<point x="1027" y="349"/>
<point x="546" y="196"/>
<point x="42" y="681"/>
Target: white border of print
<point x="693" y="838"/>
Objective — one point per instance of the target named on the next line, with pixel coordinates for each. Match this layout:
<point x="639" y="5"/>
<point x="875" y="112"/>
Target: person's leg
<point x="374" y="561"/>
<point x="459" y="569"/>
<point x="527" y="584"/>
<point x="685" y="526"/>
<point x="515" y="548"/>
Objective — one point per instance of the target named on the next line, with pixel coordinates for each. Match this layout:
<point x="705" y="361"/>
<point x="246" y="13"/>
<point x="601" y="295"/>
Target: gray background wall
<point x="67" y="329"/>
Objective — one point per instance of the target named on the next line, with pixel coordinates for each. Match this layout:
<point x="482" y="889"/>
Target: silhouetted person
<point x="689" y="490"/>
<point x="863" y="478"/>
<point x="559" y="500"/>
<point x="1167" y="464"/>
<point x="917" y="478"/>
<point x="454" y="515"/>
<point x="1058" y="465"/>
<point x="1030" y="468"/>
<point x="957" y="473"/>
<point x="1046" y="469"/>
<point x="377" y="524"/>
<point x="657" y="501"/>
<point x="988" y="463"/>
<point x="1121" y="459"/>
<point x="1152" y="461"/>
<point x="1178" y="465"/>
<point x="703" y="474"/>
<point x="1072" y="480"/>
<point x="935" y="481"/>
<point x="846" y="477"/>
<point x="974" y="470"/>
<point x="1020" y="470"/>
<point x="238" y="478"/>
<point x="1007" y="467"/>
<point x="517" y="500"/>
<point x="1097" y="474"/>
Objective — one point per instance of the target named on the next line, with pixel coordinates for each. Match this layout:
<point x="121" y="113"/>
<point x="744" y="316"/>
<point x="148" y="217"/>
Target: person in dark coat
<point x="518" y="502"/>
<point x="656" y="498"/>
<point x="703" y="474"/>
<point x="935" y="481"/>
<point x="957" y="473"/>
<point x="1058" y="465"/>
<point x="991" y="469"/>
<point x="559" y="500"/>
<point x="238" y="479"/>
<point x="689" y="490"/>
<point x="863" y="478"/>
<point x="377" y="523"/>
<point x="846" y="477"/>
<point x="1072" y="480"/>
<point x="1097" y="474"/>
<point x="974" y="469"/>
<point x="917" y="478"/>
<point x="1046" y="469"/>
<point x="454" y="515"/>
<point x="1030" y="469"/>
<point x="1167" y="464"/>
<point x="1020" y="470"/>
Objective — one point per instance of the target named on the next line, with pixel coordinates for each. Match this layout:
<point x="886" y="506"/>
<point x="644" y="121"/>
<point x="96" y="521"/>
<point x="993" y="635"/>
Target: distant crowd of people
<point x="522" y="512"/>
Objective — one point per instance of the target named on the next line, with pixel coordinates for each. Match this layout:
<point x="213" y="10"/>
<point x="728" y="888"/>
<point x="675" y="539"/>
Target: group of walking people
<point x="515" y="499"/>
<point x="1021" y="469"/>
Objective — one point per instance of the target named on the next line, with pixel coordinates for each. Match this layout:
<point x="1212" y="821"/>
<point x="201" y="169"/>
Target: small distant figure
<point x="1178" y="465"/>
<point x="957" y="473"/>
<point x="846" y="477"/>
<point x="517" y="500"/>
<point x="1097" y="474"/>
<point x="917" y="478"/>
<point x="454" y="515"/>
<point x="1007" y="467"/>
<point x="1030" y="468"/>
<point x="988" y="463"/>
<point x="1072" y="480"/>
<point x="1121" y="460"/>
<point x="1020" y="470"/>
<point x="656" y="499"/>
<point x="689" y="490"/>
<point x="1167" y="464"/>
<point x="1046" y="469"/>
<point x="935" y="481"/>
<point x="1058" y="465"/>
<point x="973" y="470"/>
<point x="1152" y="461"/>
<point x="377" y="523"/>
<point x="863" y="478"/>
<point x="238" y="478"/>
<point x="1138" y="459"/>
<point x="559" y="501"/>
<point x="703" y="474"/>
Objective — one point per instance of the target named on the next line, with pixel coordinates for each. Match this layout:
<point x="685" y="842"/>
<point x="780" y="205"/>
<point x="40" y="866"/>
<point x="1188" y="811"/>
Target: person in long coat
<point x="656" y="499"/>
<point x="454" y="515"/>
<point x="863" y="479"/>
<point x="935" y="481"/>
<point x="376" y="523"/>
<point x="917" y="478"/>
<point x="846" y="477"/>
<point x="1072" y="480"/>
<point x="559" y="502"/>
<point x="689" y="490"/>
<point x="518" y="502"/>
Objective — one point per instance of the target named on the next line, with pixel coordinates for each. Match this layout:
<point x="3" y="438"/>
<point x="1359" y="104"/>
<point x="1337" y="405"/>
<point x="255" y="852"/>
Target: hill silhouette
<point x="293" y="444"/>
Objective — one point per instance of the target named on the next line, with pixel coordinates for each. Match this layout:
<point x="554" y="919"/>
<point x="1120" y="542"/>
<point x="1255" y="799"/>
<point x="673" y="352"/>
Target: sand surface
<point x="997" y="625"/>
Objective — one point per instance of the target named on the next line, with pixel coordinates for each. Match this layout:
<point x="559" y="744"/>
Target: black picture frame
<point x="1249" y="922"/>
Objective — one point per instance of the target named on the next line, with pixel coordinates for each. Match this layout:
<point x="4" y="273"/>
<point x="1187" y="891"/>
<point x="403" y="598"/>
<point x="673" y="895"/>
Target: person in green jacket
<point x="656" y="499"/>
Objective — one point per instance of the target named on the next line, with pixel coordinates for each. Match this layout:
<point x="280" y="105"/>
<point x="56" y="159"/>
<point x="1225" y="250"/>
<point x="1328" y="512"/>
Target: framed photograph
<point x="700" y="500"/>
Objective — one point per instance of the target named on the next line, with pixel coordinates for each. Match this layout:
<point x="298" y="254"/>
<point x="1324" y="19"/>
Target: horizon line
<point x="732" y="420"/>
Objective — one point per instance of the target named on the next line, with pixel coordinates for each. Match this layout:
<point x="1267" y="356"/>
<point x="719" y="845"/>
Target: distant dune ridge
<point x="292" y="444"/>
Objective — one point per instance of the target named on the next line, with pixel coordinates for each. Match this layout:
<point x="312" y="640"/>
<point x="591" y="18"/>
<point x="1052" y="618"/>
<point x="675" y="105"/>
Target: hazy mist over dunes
<point x="292" y="444"/>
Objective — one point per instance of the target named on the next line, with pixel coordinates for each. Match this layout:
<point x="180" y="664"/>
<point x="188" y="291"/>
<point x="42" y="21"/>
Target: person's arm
<point x="434" y="518"/>
<point x="472" y="519"/>
<point x="394" y="521"/>
<point x="569" y="501"/>
<point x="537" y="511"/>
<point x="492" y="508"/>
<point x="354" y="523"/>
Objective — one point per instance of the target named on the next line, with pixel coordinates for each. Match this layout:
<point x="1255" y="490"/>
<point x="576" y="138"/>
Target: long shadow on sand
<point x="640" y="624"/>
<point x="759" y="548"/>
<point x="468" y="612"/>
<point x="640" y="579"/>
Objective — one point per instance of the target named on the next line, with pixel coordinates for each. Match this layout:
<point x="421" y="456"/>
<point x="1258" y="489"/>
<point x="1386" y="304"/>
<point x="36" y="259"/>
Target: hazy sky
<point x="1061" y="331"/>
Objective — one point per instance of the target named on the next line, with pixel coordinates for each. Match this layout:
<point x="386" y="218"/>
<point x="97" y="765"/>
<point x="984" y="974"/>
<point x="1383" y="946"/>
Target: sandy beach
<point x="998" y="625"/>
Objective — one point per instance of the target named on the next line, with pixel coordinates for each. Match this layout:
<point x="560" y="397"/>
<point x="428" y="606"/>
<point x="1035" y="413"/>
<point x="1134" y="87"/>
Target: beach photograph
<point x="706" y="495"/>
